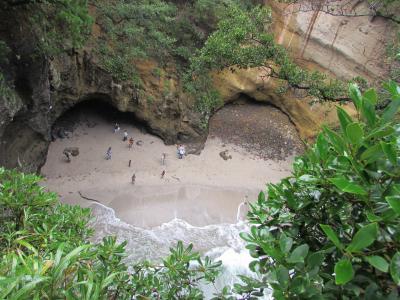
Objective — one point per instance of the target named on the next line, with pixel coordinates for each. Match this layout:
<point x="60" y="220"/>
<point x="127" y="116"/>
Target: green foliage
<point x="45" y="254"/>
<point x="207" y="99"/>
<point x="242" y="41"/>
<point x="332" y="230"/>
<point x="162" y="30"/>
<point x="134" y="30"/>
<point x="174" y="276"/>
<point x="57" y="25"/>
<point x="31" y="214"/>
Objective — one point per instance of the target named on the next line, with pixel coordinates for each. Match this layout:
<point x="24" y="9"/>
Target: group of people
<point x="117" y="128"/>
<point x="181" y="151"/>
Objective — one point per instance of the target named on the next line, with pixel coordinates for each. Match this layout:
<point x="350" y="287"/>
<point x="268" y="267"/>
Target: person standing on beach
<point x="108" y="153"/>
<point x="162" y="174"/>
<point x="181" y="151"/>
<point x="133" y="178"/>
<point x="125" y="138"/>
<point x="68" y="155"/>
<point x="116" y="128"/>
<point x="130" y="143"/>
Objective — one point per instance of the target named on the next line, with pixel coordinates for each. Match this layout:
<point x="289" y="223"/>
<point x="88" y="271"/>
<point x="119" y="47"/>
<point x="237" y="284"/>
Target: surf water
<point x="219" y="242"/>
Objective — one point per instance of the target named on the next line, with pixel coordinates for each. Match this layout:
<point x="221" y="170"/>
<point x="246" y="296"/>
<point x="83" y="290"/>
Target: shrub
<point x="45" y="253"/>
<point x="331" y="230"/>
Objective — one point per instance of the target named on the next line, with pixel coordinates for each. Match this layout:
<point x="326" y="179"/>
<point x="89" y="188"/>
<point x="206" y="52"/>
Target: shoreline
<point x="199" y="189"/>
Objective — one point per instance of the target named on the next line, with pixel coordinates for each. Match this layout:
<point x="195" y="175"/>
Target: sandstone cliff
<point x="344" y="46"/>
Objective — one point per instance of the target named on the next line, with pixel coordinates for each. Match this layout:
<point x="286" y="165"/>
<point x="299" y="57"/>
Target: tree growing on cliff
<point x="242" y="40"/>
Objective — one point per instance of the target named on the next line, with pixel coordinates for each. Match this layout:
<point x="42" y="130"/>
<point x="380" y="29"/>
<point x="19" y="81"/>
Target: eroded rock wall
<point x="252" y="82"/>
<point x="70" y="78"/>
<point x="343" y="46"/>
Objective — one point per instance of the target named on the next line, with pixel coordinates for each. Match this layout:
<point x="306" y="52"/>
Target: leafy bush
<point x="46" y="254"/>
<point x="332" y="230"/>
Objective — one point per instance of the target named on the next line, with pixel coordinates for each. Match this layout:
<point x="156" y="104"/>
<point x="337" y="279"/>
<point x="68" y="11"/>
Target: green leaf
<point x="282" y="275"/>
<point x="380" y="132"/>
<point x="364" y="237"/>
<point x="28" y="288"/>
<point x="371" y="96"/>
<point x="368" y="112"/>
<point x="336" y="140"/>
<point x="344" y="118"/>
<point x="391" y="110"/>
<point x="378" y="262"/>
<point x="372" y="153"/>
<point x="392" y="87"/>
<point x="373" y="218"/>
<point x="261" y="197"/>
<point x="355" y="95"/>
<point x="285" y="243"/>
<point x="299" y="254"/>
<point x="347" y="186"/>
<point x="394" y="202"/>
<point x="27" y="245"/>
<point x="343" y="271"/>
<point x="315" y="260"/>
<point x="298" y="285"/>
<point x="322" y="146"/>
<point x="330" y="233"/>
<point x="390" y="152"/>
<point x="355" y="133"/>
<point x="395" y="268"/>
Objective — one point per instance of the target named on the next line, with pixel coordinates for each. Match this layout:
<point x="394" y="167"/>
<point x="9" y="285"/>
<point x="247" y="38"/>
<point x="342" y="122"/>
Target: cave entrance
<point x="87" y="129"/>
<point x="260" y="128"/>
<point x="90" y="113"/>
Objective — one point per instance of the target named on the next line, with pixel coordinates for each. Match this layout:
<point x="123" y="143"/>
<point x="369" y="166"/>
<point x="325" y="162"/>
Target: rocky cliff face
<point x="343" y="46"/>
<point x="70" y="78"/>
<point x="47" y="87"/>
<point x="307" y="118"/>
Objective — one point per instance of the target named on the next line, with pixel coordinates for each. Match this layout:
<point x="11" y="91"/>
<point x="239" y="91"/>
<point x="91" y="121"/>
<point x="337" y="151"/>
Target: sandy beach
<point x="200" y="189"/>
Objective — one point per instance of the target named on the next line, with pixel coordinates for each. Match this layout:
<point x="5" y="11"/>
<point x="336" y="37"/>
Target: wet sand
<point x="200" y="189"/>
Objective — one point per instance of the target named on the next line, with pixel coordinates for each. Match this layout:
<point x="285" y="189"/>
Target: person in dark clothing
<point x="125" y="138"/>
<point x="108" y="153"/>
<point x="133" y="178"/>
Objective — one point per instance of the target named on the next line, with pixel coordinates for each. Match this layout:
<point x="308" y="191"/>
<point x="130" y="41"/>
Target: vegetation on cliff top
<point x="330" y="231"/>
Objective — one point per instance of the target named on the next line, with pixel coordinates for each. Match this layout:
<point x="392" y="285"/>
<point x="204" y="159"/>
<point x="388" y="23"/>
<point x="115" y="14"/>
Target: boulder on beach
<point x="225" y="155"/>
<point x="73" y="150"/>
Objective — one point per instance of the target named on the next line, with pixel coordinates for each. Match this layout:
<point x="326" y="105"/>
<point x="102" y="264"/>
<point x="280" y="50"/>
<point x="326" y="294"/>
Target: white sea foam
<point x="219" y="241"/>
